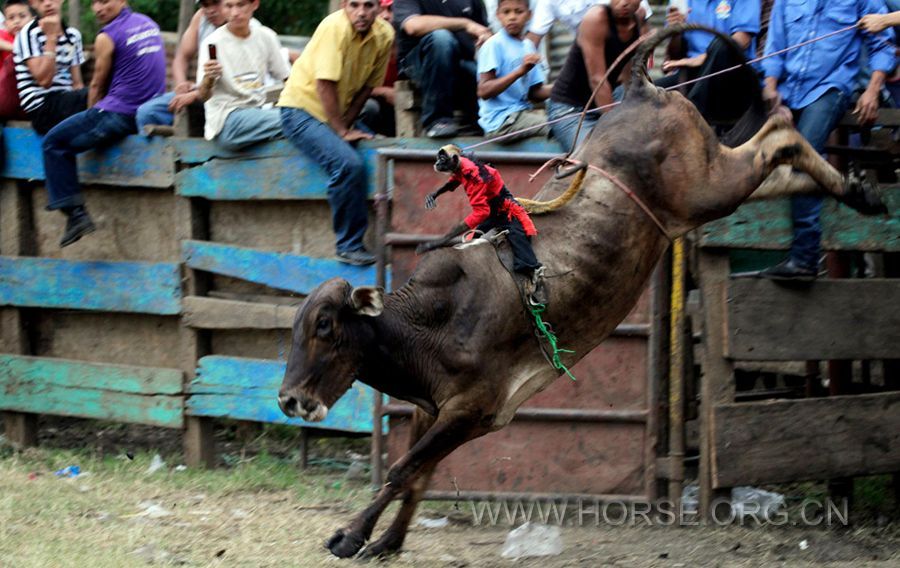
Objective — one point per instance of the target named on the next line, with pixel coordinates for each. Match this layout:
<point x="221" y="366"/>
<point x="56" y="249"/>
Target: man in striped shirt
<point x="48" y="58"/>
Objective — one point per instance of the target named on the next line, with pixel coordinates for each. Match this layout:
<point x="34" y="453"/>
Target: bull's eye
<point x="323" y="327"/>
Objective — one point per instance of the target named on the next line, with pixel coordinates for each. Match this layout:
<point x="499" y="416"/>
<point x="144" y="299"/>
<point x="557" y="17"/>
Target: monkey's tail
<point x="540" y="207"/>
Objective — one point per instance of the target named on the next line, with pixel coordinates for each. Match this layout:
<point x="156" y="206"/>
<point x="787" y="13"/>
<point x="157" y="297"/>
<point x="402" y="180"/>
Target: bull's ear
<point x="367" y="300"/>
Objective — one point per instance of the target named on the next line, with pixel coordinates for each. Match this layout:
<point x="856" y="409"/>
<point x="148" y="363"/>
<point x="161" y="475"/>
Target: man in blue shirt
<point x="816" y="82"/>
<point x="696" y="54"/>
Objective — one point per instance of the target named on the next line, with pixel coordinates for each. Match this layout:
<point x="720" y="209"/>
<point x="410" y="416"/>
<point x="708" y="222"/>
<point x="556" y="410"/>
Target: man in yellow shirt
<point x="329" y="84"/>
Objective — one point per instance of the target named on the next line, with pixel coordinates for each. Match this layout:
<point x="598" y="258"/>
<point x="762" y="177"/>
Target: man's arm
<point x="104" y="49"/>
<point x="187" y="50"/>
<point x="592" y="40"/>
<point x="418" y="26"/>
<point x="541" y="21"/>
<point x="77" y="77"/>
<point x="356" y="106"/>
<point x="43" y="66"/>
<point x="328" y="94"/>
<point x="675" y="49"/>
<point x="875" y="23"/>
<point x="881" y="60"/>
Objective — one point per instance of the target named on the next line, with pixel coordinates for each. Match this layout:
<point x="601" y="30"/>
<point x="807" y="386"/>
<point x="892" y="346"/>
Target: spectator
<point x="816" y="82"/>
<point x="48" y="58"/>
<point x="438" y="39"/>
<point x="696" y="54"/>
<point x="343" y="62"/>
<point x="16" y="14"/>
<point x="160" y="110"/>
<point x="509" y="77"/>
<point x="233" y="86"/>
<point x="378" y="113"/>
<point x="597" y="45"/>
<point x="129" y="69"/>
<point x="570" y="13"/>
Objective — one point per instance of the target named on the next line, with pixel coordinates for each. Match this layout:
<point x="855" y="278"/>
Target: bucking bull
<point x="456" y="340"/>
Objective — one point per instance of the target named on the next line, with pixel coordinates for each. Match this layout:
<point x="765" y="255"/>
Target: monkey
<point x="493" y="207"/>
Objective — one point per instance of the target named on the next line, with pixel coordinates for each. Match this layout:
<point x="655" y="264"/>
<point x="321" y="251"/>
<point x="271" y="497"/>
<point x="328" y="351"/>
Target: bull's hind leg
<point x="451" y="429"/>
<point x="791" y="166"/>
<point x="392" y="539"/>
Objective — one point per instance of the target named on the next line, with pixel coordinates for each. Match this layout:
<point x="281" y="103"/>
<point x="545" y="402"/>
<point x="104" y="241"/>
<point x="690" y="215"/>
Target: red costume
<point x="483" y="186"/>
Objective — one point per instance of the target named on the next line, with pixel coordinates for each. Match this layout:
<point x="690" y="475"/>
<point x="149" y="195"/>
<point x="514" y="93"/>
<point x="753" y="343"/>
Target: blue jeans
<point x="247" y="126"/>
<point x="815" y="122"/>
<point x="87" y="130"/>
<point x="446" y="80"/>
<point x="347" y="186"/>
<point x="155" y="111"/>
<point x="564" y="131"/>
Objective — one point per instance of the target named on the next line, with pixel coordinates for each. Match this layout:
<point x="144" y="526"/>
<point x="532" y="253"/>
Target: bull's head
<point x="332" y="330"/>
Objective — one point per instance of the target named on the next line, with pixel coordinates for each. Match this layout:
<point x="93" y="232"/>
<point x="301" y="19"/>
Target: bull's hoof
<point x="344" y="543"/>
<point x="862" y="195"/>
<point x="383" y="548"/>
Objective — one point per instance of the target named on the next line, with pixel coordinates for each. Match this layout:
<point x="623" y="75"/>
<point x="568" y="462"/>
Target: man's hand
<point x="674" y="64"/>
<point x="354" y="135"/>
<point x="771" y="96"/>
<point x="866" y="110"/>
<point x="184" y="87"/>
<point x="674" y="17"/>
<point x="183" y="100"/>
<point x="51" y="26"/>
<point x="479" y="32"/>
<point x="212" y="69"/>
<point x="529" y="61"/>
<point x="873" y="23"/>
<point x="431" y="201"/>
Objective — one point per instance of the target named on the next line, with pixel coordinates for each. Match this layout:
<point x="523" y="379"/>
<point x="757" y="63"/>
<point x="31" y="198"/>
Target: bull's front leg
<point x="450" y="430"/>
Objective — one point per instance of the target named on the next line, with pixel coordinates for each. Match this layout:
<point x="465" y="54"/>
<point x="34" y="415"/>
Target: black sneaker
<point x="359" y="257"/>
<point x="442" y="128"/>
<point x="789" y="270"/>
<point x="78" y="225"/>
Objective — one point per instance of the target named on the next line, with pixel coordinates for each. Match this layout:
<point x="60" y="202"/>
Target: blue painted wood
<point x="278" y="270"/>
<point x="136" y="161"/>
<point x="122" y="393"/>
<point x="278" y="171"/>
<point x="140" y="287"/>
<point x="247" y="389"/>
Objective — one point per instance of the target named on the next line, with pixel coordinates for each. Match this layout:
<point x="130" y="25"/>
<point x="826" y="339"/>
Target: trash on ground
<point x="433" y="523"/>
<point x="533" y="540"/>
<point x="156" y="464"/>
<point x="69" y="471"/>
<point x="754" y="502"/>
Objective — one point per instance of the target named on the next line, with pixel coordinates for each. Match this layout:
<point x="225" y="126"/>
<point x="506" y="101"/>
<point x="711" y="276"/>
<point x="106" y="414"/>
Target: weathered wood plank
<point x="140" y="287"/>
<point x="193" y="151"/>
<point x="284" y="271"/>
<point x="833" y="319"/>
<point x="822" y="438"/>
<point x="767" y="225"/>
<point x="90" y="390"/>
<point x="211" y="313"/>
<point x="247" y="389"/>
<point x="136" y="161"/>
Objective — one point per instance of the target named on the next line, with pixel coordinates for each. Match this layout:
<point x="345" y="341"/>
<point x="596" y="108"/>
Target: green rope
<point x="536" y="311"/>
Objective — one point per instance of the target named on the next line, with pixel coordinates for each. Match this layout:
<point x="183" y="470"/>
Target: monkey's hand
<point x="431" y="200"/>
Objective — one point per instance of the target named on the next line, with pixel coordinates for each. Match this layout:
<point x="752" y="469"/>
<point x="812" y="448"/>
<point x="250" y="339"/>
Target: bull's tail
<point x="540" y="207"/>
<point x="749" y="123"/>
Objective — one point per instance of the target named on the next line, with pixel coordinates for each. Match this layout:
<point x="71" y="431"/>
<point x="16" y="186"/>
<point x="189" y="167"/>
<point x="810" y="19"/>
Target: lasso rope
<point x="554" y="358"/>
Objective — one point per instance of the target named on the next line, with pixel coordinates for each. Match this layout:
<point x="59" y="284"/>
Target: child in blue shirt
<point x="510" y="78"/>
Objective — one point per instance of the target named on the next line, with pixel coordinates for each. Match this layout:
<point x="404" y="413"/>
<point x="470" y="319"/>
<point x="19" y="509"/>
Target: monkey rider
<point x="493" y="207"/>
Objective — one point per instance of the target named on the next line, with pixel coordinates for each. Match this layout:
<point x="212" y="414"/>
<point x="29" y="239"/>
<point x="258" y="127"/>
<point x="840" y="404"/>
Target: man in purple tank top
<point x="130" y="69"/>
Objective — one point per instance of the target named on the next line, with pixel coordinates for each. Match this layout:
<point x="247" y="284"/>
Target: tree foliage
<point x="287" y="17"/>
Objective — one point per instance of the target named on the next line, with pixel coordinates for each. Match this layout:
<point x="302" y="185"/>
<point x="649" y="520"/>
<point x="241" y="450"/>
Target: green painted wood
<point x="138" y="287"/>
<point x="284" y="271"/>
<point x="247" y="389"/>
<point x="767" y="225"/>
<point x="136" y="161"/>
<point x="119" y="393"/>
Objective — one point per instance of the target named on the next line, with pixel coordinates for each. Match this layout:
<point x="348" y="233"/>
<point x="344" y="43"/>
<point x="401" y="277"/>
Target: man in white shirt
<point x="569" y="12"/>
<point x="233" y="83"/>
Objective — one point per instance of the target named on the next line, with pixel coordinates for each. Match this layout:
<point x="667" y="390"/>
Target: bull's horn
<point x="367" y="300"/>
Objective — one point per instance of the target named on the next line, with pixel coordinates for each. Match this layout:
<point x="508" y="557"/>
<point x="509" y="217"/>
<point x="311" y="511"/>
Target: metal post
<point x="381" y="256"/>
<point x="74" y="15"/>
<point x="185" y="13"/>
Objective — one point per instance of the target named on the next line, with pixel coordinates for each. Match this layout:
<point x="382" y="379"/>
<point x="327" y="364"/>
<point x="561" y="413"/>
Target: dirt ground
<point x="259" y="510"/>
